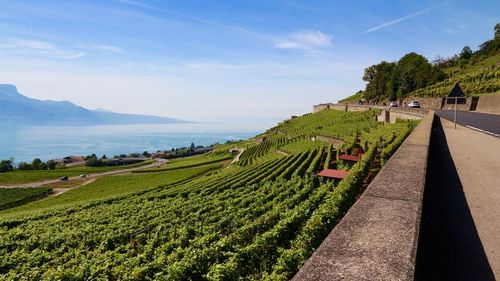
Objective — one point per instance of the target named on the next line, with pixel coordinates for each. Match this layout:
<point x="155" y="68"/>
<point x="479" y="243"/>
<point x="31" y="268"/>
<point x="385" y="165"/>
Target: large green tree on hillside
<point x="413" y="71"/>
<point x="378" y="77"/>
<point x="395" y="80"/>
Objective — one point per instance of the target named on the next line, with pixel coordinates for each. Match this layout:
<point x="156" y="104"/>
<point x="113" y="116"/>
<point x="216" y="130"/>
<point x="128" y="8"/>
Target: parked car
<point x="414" y="104"/>
<point x="393" y="104"/>
<point x="63" y="178"/>
<point x="83" y="176"/>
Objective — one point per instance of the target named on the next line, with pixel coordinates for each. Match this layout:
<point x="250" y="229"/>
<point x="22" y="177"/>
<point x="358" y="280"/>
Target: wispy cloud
<point x="305" y="39"/>
<point x="100" y="47"/>
<point x="398" y="20"/>
<point x="41" y="48"/>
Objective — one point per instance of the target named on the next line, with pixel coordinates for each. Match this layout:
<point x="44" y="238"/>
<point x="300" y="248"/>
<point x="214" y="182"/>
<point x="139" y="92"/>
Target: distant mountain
<point x="16" y="109"/>
<point x="104" y="110"/>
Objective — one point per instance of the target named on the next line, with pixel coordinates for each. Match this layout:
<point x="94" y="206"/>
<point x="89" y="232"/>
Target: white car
<point x="393" y="104"/>
<point x="414" y="104"/>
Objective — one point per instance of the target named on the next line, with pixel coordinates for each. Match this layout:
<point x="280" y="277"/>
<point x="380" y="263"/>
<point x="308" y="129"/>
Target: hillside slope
<point x="258" y="219"/>
<point x="478" y="73"/>
<point x="481" y="78"/>
<point x="17" y="109"/>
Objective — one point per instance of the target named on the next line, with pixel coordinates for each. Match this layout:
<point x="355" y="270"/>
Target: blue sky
<point x="205" y="60"/>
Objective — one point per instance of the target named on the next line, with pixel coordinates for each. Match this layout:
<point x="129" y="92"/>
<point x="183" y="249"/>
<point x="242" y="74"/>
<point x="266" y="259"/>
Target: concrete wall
<point x="387" y="115"/>
<point x="426" y="103"/>
<point x="357" y="108"/>
<point x="323" y="106"/>
<point x="393" y="114"/>
<point x="377" y="238"/>
<point x="489" y="103"/>
<point x="461" y="107"/>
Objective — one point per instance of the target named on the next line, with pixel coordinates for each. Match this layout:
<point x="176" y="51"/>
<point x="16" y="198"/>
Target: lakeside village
<point x="93" y="160"/>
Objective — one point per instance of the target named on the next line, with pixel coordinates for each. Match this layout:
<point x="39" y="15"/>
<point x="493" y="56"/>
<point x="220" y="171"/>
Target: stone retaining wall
<point x="323" y="106"/>
<point x="489" y="103"/>
<point x="426" y="103"/>
<point x="377" y="238"/>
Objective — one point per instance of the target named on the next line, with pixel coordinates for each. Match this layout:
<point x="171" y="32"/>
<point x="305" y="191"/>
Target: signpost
<point x="455" y="116"/>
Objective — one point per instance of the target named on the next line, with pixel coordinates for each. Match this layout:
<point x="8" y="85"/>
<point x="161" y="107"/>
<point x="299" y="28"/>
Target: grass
<point x="20" y="177"/>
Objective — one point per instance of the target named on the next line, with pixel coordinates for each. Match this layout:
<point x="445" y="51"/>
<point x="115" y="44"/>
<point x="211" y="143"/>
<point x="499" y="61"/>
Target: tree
<point x="497" y="30"/>
<point x="378" y="77"/>
<point x="93" y="156"/>
<point x="104" y="157"/>
<point x="146" y="154"/>
<point x="94" y="162"/>
<point x="6" y="166"/>
<point x="51" y="165"/>
<point x="37" y="164"/>
<point x="439" y="61"/>
<point x="413" y="71"/>
<point x="466" y="53"/>
<point x="23" y="166"/>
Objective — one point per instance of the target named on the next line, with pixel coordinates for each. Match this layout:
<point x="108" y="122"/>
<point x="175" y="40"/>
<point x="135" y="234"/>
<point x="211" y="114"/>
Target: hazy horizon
<point x="207" y="61"/>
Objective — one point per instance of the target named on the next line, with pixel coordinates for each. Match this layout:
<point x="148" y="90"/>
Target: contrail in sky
<point x="389" y="23"/>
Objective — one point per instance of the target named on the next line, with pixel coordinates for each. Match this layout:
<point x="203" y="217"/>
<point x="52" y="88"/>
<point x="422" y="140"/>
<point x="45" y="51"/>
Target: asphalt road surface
<point x="487" y="123"/>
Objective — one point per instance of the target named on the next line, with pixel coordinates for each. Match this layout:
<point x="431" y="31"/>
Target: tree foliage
<point x="414" y="73"/>
<point x="6" y="166"/>
<point x="396" y="79"/>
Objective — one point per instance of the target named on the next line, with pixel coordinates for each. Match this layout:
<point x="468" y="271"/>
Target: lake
<point x="52" y="142"/>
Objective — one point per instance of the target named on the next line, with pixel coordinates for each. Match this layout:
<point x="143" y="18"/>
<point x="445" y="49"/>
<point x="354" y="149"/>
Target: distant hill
<point x="16" y="109"/>
<point x="478" y="73"/>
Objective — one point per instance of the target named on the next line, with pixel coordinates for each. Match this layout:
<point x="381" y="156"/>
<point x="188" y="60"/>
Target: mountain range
<point x="17" y="109"/>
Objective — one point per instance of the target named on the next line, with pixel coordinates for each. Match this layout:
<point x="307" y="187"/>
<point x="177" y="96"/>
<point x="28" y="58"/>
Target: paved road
<point x="489" y="123"/>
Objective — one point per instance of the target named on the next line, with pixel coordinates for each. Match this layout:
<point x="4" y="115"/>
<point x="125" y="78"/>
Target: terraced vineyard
<point x="258" y="219"/>
<point x="474" y="83"/>
<point x="20" y="177"/>
<point x="11" y="197"/>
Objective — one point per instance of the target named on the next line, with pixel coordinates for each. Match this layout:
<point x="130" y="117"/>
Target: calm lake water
<point x="27" y="143"/>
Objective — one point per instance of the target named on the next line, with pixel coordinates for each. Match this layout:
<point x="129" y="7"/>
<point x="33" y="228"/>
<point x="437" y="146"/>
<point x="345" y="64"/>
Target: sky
<point x="209" y="60"/>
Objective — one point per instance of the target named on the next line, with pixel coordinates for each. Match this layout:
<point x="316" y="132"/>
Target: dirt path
<point x="334" y="141"/>
<point x="283" y="153"/>
<point x="158" y="163"/>
<point x="477" y="158"/>
<point x="237" y="158"/>
<point x="58" y="191"/>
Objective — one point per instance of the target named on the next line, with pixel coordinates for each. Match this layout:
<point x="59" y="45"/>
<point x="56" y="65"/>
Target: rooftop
<point x="331" y="173"/>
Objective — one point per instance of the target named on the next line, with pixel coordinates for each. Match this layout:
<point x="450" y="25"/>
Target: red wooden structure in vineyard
<point x="334" y="174"/>
<point x="353" y="158"/>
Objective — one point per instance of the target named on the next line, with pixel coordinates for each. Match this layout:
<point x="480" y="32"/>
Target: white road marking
<point x="483" y="131"/>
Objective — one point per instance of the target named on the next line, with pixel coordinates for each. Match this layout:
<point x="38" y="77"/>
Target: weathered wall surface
<point x="394" y="115"/>
<point x="426" y="103"/>
<point x="323" y="106"/>
<point x="377" y="239"/>
<point x="387" y="115"/>
<point x="357" y="108"/>
<point x="461" y="107"/>
<point x="489" y="103"/>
